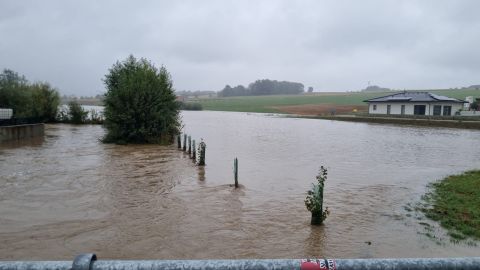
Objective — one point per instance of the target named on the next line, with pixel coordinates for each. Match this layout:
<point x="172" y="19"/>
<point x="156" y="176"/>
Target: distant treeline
<point x="263" y="87"/>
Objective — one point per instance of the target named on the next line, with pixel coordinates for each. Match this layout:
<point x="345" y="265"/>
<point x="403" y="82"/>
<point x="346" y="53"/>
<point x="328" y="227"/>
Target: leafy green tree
<point x="14" y="93"/>
<point x="76" y="114"/>
<point x="28" y="100"/>
<point x="45" y="101"/>
<point x="140" y="103"/>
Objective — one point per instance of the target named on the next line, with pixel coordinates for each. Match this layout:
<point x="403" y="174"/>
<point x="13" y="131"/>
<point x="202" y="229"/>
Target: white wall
<point x="470" y="113"/>
<point x="6" y="113"/>
<point x="395" y="108"/>
<point x="455" y="107"/>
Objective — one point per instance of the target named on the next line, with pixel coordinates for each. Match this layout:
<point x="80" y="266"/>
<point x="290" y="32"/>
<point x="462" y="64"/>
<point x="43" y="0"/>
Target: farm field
<point x="308" y="104"/>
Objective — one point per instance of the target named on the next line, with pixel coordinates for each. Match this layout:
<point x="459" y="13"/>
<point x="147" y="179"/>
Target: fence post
<point x="189" y="145"/>
<point x="235" y="171"/>
<point x="194" y="153"/>
<point x="184" y="142"/>
<point x="201" y="149"/>
<point x="179" y="141"/>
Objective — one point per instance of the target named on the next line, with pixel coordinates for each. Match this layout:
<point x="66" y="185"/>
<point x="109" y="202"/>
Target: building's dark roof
<point x="414" y="97"/>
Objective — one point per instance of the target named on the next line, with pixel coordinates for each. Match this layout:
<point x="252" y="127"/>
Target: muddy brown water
<point x="68" y="193"/>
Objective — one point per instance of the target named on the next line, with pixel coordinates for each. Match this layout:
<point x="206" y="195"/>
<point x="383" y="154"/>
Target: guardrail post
<point x="84" y="261"/>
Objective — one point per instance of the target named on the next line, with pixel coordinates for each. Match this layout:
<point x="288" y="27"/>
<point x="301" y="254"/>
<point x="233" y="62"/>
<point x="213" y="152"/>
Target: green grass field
<point x="455" y="203"/>
<point x="264" y="104"/>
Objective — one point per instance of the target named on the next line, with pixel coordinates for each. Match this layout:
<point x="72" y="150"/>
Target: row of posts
<point x="197" y="154"/>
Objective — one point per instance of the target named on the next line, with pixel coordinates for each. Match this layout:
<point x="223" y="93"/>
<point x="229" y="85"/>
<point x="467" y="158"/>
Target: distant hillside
<point x="474" y="87"/>
<point x="375" y="88"/>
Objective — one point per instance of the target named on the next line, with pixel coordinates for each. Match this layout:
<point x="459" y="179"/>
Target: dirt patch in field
<point x="321" y="109"/>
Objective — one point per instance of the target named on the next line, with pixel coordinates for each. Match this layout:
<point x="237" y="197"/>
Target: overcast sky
<point x="330" y="45"/>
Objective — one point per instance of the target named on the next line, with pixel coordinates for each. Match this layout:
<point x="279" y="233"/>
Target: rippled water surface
<point x="68" y="193"/>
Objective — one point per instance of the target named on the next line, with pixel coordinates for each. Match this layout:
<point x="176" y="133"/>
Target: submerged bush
<point x="314" y="199"/>
<point x="76" y="114"/>
<point x="140" y="104"/>
<point x="190" y="106"/>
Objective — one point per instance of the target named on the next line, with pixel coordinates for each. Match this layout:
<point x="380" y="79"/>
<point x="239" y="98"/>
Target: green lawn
<point x="264" y="103"/>
<point x="455" y="203"/>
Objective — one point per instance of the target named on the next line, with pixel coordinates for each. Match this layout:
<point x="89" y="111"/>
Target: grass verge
<point x="455" y="203"/>
<point x="270" y="104"/>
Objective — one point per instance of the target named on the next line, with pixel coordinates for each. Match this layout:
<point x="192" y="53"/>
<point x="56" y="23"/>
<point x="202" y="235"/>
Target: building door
<point x="447" y="110"/>
<point x="388" y="108"/>
<point x="402" y="110"/>
<point x="437" y="109"/>
<point x="419" y="110"/>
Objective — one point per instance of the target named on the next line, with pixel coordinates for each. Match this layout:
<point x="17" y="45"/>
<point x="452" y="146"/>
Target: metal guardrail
<point x="90" y="262"/>
<point x="20" y="121"/>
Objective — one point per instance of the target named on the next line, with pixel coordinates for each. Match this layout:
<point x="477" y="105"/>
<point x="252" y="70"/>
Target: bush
<point x="314" y="199"/>
<point x="140" y="104"/>
<point x="76" y="114"/>
<point x="45" y="101"/>
<point x="474" y="106"/>
<point x="190" y="106"/>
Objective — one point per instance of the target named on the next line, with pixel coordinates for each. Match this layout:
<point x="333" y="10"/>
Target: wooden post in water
<point x="184" y="142"/>
<point x="201" y="149"/>
<point x="179" y="141"/>
<point x="194" y="153"/>
<point x="189" y="145"/>
<point x="235" y="171"/>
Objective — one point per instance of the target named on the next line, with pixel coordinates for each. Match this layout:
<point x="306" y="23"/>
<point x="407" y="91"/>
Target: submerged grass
<point x="455" y="203"/>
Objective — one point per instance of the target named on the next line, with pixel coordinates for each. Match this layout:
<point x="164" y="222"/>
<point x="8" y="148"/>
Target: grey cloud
<point x="331" y="45"/>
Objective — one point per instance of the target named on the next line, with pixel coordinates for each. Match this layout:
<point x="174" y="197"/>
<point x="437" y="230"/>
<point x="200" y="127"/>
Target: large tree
<point x="45" y="101"/>
<point x="140" y="103"/>
<point x="39" y="100"/>
<point x="15" y="93"/>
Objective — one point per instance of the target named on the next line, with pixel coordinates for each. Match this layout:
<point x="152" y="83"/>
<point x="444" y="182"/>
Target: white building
<point x="414" y="103"/>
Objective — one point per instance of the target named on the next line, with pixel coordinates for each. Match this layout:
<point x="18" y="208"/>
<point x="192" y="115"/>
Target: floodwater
<point x="68" y="193"/>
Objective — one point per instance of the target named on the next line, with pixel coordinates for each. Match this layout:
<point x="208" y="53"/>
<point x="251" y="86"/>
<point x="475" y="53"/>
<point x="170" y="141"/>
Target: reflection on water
<point x="69" y="193"/>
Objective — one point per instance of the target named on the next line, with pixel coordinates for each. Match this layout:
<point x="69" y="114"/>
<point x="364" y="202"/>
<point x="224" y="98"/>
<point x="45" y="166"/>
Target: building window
<point x="388" y="108"/>
<point x="447" y="110"/>
<point x="419" y="109"/>
<point x="402" y="110"/>
<point x="437" y="109"/>
<point x="374" y="107"/>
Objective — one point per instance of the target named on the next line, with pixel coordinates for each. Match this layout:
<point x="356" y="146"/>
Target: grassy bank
<point x="473" y="123"/>
<point x="266" y="104"/>
<point x="455" y="204"/>
<point x="270" y="104"/>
